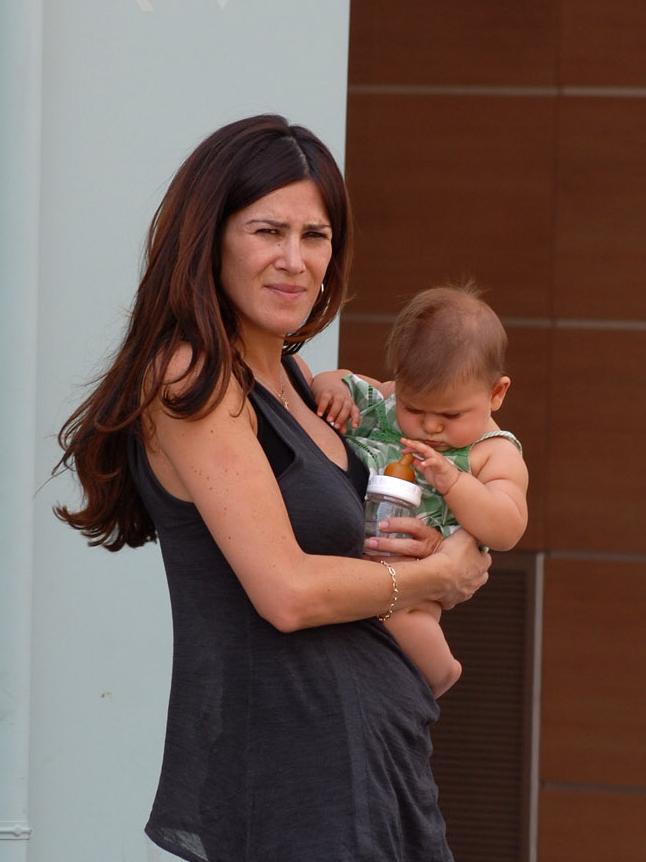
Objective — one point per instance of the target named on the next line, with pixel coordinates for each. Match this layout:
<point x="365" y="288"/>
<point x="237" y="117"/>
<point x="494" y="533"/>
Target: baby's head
<point x="447" y="354"/>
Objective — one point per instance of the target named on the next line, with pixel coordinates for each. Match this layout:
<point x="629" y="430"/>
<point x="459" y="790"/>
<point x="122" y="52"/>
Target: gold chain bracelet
<point x="395" y="594"/>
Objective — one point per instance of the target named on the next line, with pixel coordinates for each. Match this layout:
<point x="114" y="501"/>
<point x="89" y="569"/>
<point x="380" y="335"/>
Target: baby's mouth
<point x="436" y="444"/>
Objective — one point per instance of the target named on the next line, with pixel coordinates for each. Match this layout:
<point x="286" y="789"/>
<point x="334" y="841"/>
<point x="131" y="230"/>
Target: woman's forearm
<point x="321" y="590"/>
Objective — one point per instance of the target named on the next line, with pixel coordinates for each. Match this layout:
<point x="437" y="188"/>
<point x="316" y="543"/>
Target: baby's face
<point x="452" y="418"/>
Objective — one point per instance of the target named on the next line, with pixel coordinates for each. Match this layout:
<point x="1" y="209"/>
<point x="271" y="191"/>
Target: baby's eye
<point x="452" y="415"/>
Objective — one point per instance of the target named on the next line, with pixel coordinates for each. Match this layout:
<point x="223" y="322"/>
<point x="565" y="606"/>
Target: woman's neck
<point x="264" y="358"/>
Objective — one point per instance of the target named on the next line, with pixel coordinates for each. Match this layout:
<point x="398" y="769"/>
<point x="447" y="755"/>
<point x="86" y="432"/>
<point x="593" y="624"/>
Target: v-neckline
<point x="296" y="378"/>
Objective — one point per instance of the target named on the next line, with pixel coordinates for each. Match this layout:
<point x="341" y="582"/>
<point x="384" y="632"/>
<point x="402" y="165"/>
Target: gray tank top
<point x="312" y="746"/>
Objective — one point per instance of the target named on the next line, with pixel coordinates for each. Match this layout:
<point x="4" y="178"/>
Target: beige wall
<point x="507" y="141"/>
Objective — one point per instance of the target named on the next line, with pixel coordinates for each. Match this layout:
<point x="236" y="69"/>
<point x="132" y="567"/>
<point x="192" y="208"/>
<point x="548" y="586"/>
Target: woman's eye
<point x="271" y="231"/>
<point x="313" y="234"/>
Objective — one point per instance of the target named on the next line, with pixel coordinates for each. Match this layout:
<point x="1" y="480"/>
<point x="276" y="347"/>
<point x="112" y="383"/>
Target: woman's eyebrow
<point x="283" y="224"/>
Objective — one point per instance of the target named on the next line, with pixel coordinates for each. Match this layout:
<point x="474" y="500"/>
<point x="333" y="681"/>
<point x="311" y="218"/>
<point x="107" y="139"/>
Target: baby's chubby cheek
<point x="408" y="427"/>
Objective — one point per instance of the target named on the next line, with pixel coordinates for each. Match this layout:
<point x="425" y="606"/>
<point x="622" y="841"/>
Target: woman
<point x="297" y="730"/>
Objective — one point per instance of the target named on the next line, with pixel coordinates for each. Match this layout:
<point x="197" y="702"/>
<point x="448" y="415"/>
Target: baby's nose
<point x="433" y="424"/>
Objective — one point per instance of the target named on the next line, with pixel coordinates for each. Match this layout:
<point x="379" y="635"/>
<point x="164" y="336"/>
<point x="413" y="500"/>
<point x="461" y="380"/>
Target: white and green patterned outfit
<point x="377" y="442"/>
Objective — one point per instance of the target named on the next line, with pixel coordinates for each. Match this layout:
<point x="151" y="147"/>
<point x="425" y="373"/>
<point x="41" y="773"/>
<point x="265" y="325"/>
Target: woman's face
<point x="275" y="253"/>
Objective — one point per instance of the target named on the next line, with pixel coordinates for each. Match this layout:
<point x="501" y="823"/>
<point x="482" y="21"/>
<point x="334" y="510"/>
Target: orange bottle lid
<point x="401" y="469"/>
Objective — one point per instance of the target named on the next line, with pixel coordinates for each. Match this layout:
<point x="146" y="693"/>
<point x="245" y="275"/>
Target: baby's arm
<point x="334" y="402"/>
<point x="418" y="633"/>
<point x="490" y="502"/>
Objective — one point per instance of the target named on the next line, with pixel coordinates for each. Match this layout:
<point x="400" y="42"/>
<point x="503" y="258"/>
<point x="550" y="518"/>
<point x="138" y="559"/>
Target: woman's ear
<point x="498" y="392"/>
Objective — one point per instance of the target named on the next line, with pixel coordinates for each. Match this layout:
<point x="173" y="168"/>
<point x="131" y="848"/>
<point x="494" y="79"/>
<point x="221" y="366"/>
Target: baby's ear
<point x="498" y="392"/>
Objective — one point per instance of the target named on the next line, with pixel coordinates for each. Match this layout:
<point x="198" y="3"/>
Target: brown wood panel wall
<point x="485" y="731"/>
<point x="466" y="42"/>
<point x="594" y="699"/>
<point x="591" y="825"/>
<point x="447" y="186"/>
<point x="600" y="253"/>
<point x="507" y="142"/>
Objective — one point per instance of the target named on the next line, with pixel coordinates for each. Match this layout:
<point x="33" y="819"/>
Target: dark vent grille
<point x="482" y="741"/>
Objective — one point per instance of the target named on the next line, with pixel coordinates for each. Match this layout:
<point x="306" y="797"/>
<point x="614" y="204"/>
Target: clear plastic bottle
<point x="393" y="495"/>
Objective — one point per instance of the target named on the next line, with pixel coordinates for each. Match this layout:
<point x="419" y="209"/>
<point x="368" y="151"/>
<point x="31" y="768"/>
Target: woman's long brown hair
<point x="180" y="300"/>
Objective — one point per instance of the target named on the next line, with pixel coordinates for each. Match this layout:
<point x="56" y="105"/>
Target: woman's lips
<point x="287" y="290"/>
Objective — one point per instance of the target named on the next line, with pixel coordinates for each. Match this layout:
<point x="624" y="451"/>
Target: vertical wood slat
<point x="482" y="743"/>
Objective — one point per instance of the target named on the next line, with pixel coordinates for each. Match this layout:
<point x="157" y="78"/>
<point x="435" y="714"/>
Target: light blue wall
<point x="129" y="87"/>
<point x="20" y="113"/>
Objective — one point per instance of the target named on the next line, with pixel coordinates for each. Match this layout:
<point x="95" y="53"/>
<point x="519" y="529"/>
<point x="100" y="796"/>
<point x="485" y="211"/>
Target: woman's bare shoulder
<point x="181" y="371"/>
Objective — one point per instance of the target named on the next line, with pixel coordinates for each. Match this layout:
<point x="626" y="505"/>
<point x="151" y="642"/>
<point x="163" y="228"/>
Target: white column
<point x="20" y="108"/>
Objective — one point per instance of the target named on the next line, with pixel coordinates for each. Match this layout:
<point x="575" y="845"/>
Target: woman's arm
<point x="220" y="466"/>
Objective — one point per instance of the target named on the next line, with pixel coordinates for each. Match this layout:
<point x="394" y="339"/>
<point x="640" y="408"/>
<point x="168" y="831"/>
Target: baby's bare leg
<point x="418" y="633"/>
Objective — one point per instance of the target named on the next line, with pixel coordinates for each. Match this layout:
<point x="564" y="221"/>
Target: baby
<point x="447" y="352"/>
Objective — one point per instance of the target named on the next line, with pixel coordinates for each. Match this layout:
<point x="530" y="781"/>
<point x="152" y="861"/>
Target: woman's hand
<point x="421" y="541"/>
<point x="469" y="569"/>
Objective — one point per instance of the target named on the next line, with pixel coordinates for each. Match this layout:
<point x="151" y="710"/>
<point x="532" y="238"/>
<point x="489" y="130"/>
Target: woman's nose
<point x="291" y="255"/>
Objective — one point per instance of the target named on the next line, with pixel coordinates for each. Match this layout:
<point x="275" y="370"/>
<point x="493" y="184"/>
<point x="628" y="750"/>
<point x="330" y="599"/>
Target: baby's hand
<point x="333" y="400"/>
<point x="438" y="471"/>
